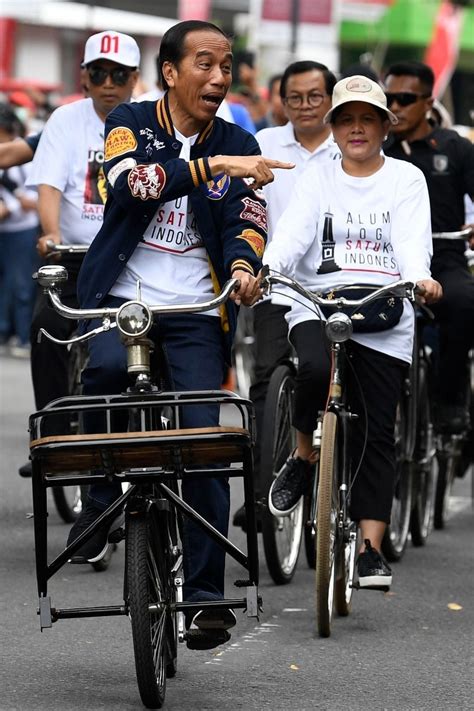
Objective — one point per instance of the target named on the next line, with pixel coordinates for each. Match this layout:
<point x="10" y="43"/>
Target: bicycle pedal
<point x="117" y="535"/>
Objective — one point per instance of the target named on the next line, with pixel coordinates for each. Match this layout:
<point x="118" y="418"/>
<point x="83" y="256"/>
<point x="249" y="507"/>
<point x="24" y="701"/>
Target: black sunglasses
<point x="404" y="98"/>
<point x="119" y="75"/>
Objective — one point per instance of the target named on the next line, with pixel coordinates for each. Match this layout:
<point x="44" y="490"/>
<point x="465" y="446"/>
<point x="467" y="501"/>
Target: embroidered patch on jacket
<point x="119" y="168"/>
<point x="254" y="212"/>
<point x="216" y="188"/>
<point x="258" y="192"/>
<point x="255" y="240"/>
<point x="120" y="140"/>
<point x="147" y="181"/>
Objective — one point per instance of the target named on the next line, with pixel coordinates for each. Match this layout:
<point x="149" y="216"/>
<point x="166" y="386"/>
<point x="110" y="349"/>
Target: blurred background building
<point x="41" y="41"/>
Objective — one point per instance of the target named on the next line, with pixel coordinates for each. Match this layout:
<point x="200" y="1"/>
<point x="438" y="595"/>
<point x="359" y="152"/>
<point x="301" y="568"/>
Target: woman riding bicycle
<point x="363" y="220"/>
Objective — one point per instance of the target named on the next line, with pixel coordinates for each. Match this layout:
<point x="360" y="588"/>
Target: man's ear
<point x="168" y="70"/>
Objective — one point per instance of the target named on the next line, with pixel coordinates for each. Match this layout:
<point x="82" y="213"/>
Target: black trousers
<point x="49" y="361"/>
<point x="271" y="348"/>
<point x="375" y="388"/>
<point x="455" y="318"/>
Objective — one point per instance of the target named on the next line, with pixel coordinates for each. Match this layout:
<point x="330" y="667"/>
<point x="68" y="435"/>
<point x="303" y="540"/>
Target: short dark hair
<point x="172" y="43"/>
<point x="413" y="69"/>
<point x="273" y="80"/>
<point x="307" y="66"/>
<point x="9" y="121"/>
<point x="360" y="69"/>
<point x="338" y="110"/>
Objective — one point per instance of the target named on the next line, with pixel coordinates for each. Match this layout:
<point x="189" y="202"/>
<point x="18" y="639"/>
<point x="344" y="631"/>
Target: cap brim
<point x="392" y="118"/>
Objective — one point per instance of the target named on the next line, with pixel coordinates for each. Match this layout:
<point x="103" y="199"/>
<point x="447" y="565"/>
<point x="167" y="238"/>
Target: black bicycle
<point x="152" y="456"/>
<point x="334" y="533"/>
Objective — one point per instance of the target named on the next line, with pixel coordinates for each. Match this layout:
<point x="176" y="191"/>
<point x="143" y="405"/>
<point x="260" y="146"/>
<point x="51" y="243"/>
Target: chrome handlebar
<point x="460" y="234"/>
<point x="54" y="248"/>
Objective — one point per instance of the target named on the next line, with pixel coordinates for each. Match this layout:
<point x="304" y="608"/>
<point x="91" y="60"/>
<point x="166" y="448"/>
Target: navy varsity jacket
<point x="143" y="171"/>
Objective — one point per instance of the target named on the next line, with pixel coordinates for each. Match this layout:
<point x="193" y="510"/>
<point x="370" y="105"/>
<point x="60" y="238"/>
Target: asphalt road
<point x="411" y="649"/>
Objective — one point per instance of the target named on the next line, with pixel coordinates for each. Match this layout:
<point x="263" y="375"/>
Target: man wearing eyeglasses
<point x="67" y="169"/>
<point x="447" y="161"/>
<point x="306" y="91"/>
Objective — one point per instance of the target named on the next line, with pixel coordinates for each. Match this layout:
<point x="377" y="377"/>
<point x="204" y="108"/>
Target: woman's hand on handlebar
<point x="43" y="245"/>
<point x="249" y="291"/>
<point x="429" y="291"/>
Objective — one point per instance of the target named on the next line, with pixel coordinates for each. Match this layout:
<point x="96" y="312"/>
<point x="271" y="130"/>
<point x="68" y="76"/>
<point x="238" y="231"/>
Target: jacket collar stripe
<point x="163" y="115"/>
<point x="205" y="132"/>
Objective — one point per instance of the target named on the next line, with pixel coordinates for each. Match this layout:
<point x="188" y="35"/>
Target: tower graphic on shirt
<point x="328" y="263"/>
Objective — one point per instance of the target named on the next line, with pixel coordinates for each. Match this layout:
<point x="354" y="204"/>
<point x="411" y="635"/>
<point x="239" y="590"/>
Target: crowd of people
<point x="244" y="177"/>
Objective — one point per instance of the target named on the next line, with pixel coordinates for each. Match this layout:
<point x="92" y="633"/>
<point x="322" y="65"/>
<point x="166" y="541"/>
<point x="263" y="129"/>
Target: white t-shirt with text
<point x="70" y="157"/>
<point x="340" y="230"/>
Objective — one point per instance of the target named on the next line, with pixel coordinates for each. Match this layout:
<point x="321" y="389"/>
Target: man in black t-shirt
<point x="447" y="161"/>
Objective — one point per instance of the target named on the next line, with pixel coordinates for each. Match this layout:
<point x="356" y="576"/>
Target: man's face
<point x="109" y="84"/>
<point x="199" y="83"/>
<point x="306" y="101"/>
<point x="410" y="115"/>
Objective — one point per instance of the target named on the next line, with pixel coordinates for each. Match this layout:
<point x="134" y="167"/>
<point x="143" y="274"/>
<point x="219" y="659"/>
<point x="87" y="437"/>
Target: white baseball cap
<point x="359" y="88"/>
<point x="111" y="45"/>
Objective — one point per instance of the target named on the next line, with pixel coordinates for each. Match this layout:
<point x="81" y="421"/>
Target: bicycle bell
<point x="51" y="275"/>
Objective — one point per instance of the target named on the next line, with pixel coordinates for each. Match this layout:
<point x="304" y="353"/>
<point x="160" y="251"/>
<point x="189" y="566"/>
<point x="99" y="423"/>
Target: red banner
<point x="442" y="52"/>
<point x="194" y="9"/>
<point x="319" y="13"/>
<point x="7" y="37"/>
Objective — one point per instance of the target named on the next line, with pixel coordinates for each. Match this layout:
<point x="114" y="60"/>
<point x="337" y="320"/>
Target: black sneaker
<point x="373" y="571"/>
<point x="26" y="470"/>
<point x="240" y="519"/>
<point x="290" y="485"/>
<point x="209" y="628"/>
<point x="94" y="549"/>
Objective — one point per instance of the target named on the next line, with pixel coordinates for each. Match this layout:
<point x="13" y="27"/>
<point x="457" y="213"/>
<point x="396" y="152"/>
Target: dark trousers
<point x="193" y="350"/>
<point x="455" y="317"/>
<point x="271" y="348"/>
<point x="376" y="388"/>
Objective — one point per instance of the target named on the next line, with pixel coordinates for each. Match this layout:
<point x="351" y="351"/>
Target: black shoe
<point x="26" y="470"/>
<point x="209" y="628"/>
<point x="373" y="571"/>
<point x="240" y="520"/>
<point x="94" y="549"/>
<point x="451" y="419"/>
<point x="290" y="485"/>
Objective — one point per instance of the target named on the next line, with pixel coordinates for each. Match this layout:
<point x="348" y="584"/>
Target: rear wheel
<point x="426" y="467"/>
<point x="150" y="593"/>
<point x="281" y="535"/>
<point x="326" y="516"/>
<point x="309" y="521"/>
<point x="447" y="463"/>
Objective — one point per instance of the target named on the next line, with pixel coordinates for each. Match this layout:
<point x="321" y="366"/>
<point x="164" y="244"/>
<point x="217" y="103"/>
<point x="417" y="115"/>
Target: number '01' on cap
<point x="114" y="46"/>
<point x="359" y="88"/>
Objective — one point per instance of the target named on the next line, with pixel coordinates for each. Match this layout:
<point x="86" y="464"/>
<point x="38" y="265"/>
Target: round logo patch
<point x="216" y="188"/>
<point x="147" y="181"/>
<point x="120" y="140"/>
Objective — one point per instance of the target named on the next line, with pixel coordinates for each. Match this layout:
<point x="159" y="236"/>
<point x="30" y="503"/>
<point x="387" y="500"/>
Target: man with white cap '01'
<point x="67" y="168"/>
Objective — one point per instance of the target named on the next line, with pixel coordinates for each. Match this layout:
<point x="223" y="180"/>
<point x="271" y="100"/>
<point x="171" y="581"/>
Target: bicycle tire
<point x="281" y="535"/>
<point x="425" y="472"/>
<point x="68" y="501"/>
<point x="345" y="575"/>
<point x="396" y="534"/>
<point x="446" y="474"/>
<point x="147" y="576"/>
<point x="326" y="525"/>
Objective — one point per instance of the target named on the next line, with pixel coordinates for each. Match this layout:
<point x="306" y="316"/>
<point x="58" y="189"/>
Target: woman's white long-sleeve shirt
<point x="339" y="230"/>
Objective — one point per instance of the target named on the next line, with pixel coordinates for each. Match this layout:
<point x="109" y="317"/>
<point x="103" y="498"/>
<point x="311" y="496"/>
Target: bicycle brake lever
<point x="80" y="339"/>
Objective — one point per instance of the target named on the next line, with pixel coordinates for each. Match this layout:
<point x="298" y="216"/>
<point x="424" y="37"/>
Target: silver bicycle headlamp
<point x="338" y="327"/>
<point x="134" y="318"/>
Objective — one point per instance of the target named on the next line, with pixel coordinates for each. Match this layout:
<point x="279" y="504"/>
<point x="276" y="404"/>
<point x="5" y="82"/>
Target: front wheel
<point x="281" y="535"/>
<point x="326" y="516"/>
<point x="149" y="592"/>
